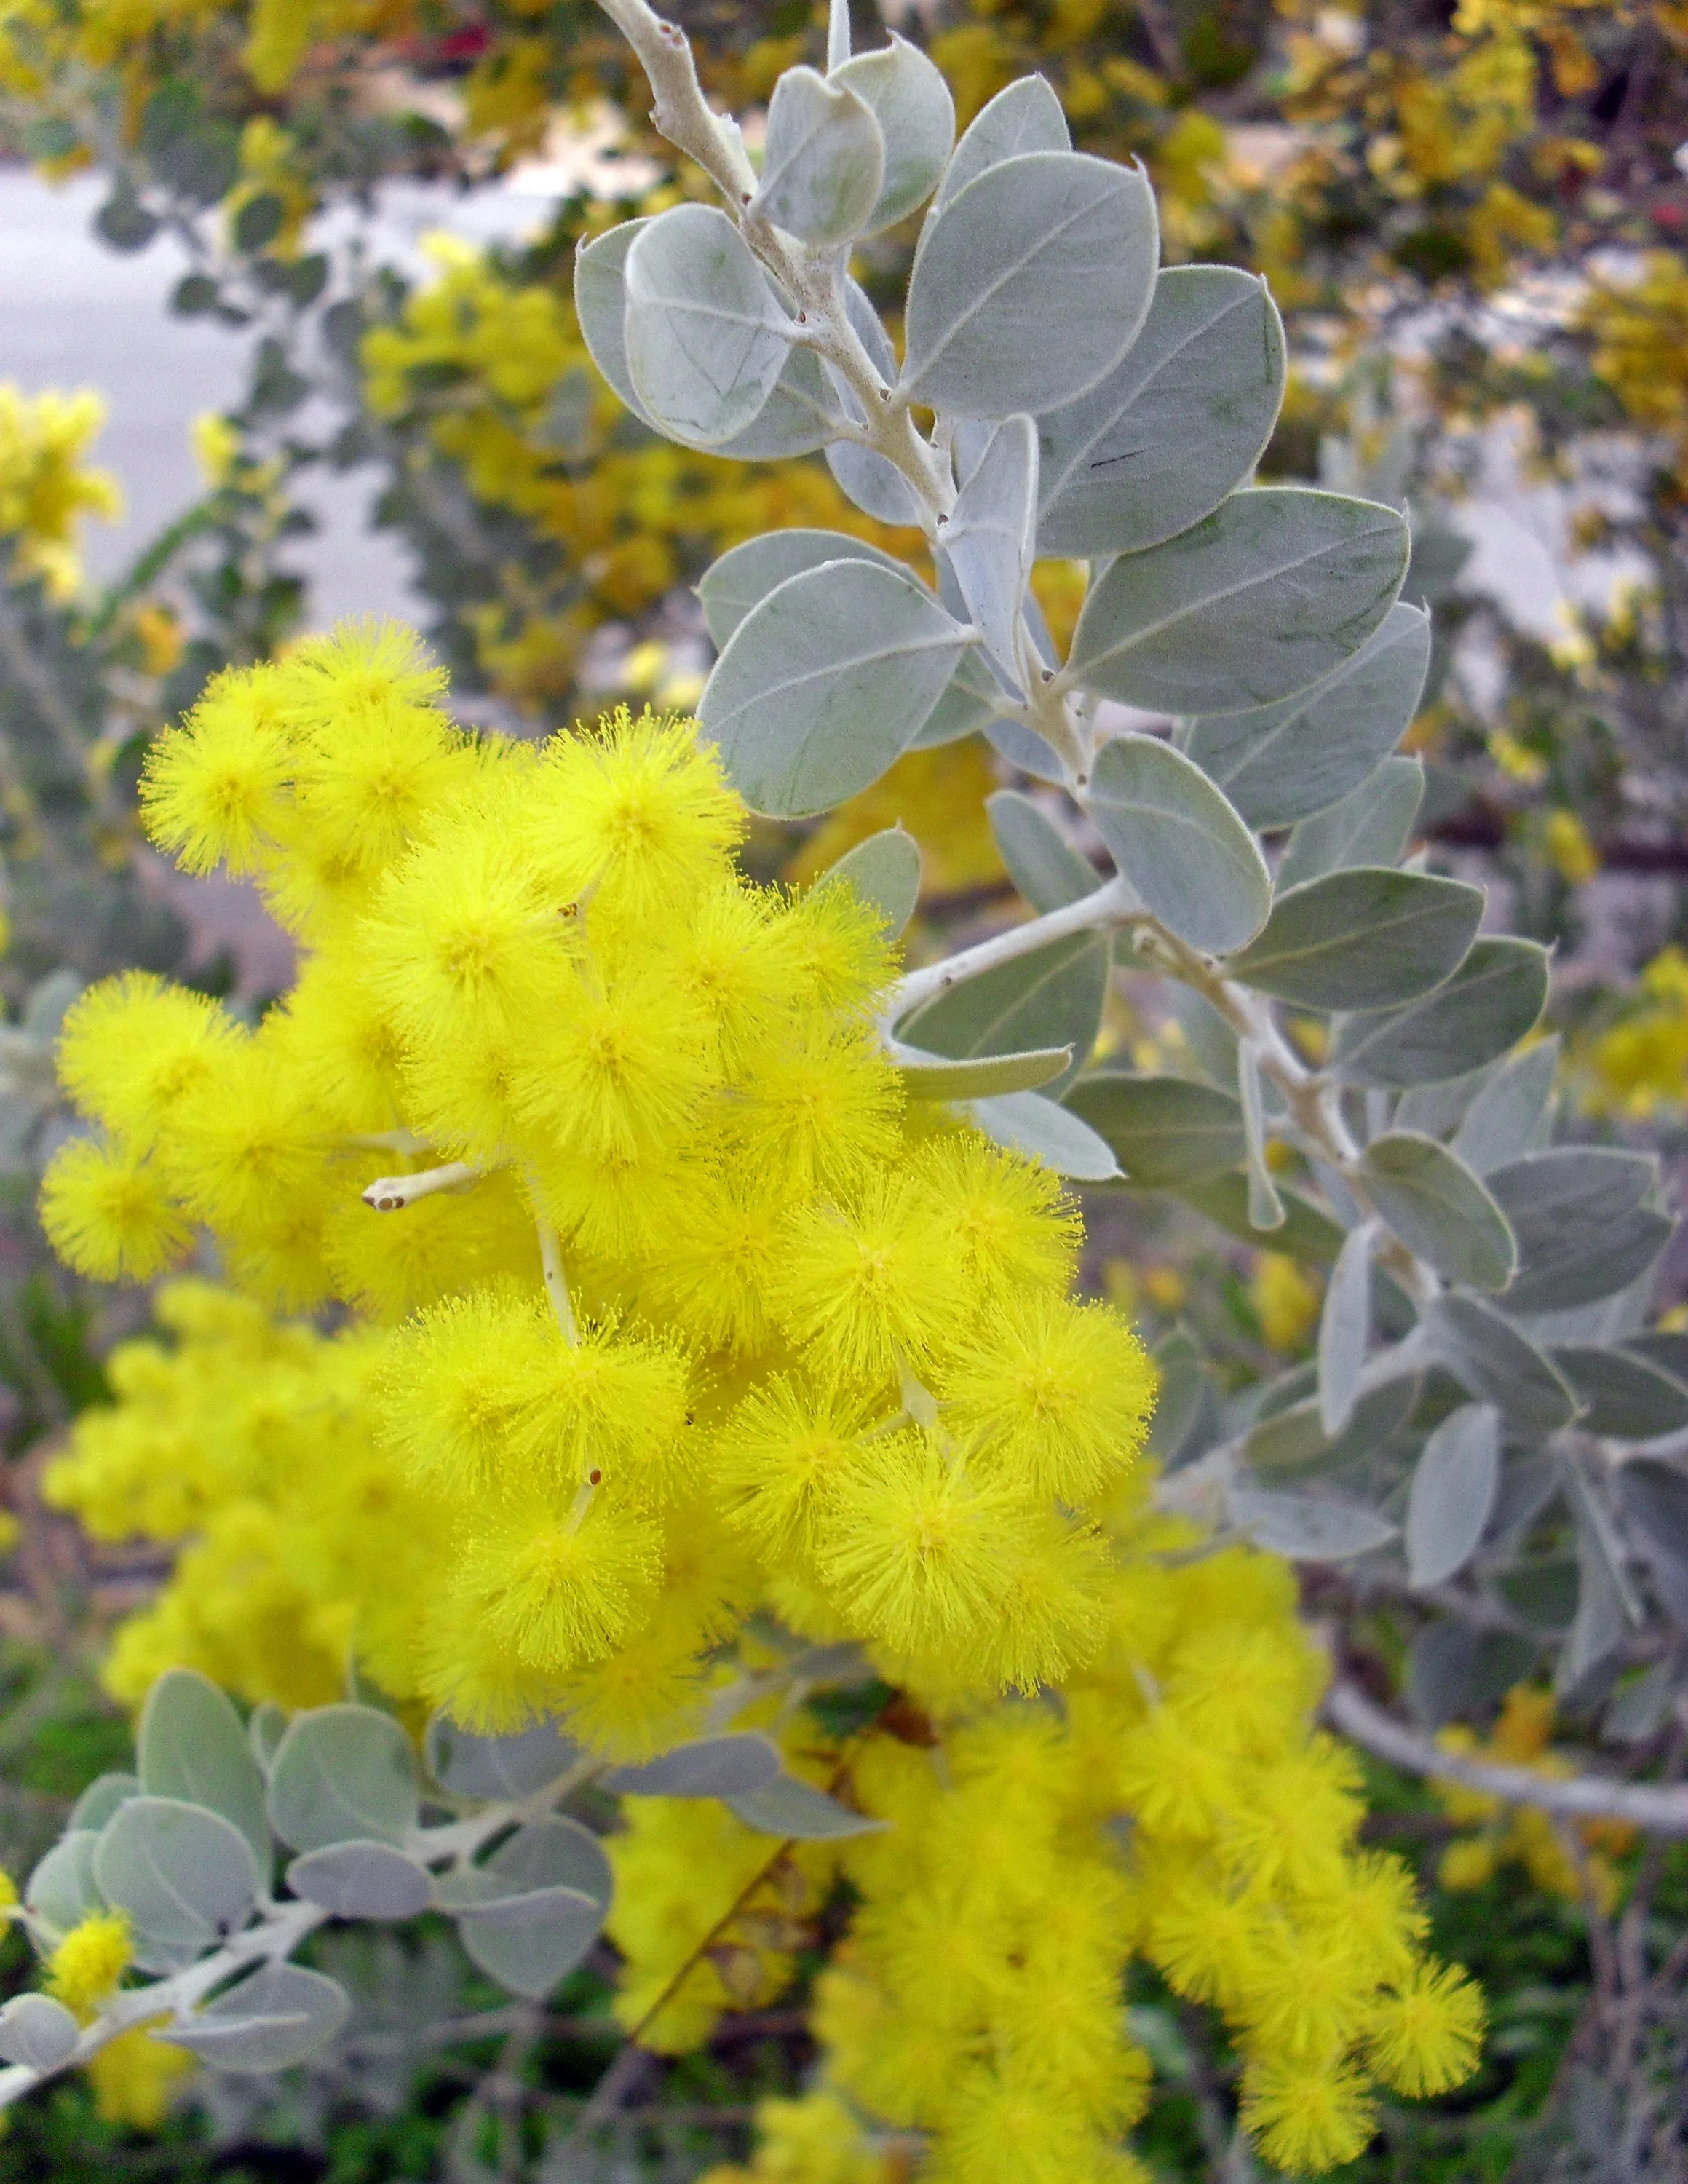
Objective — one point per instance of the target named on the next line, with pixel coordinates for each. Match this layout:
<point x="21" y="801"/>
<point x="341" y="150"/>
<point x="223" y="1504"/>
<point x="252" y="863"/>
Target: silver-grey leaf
<point x="878" y="487"/>
<point x="185" y="1877"/>
<point x="744" y="576"/>
<point x="1179" y="844"/>
<point x="823" y="158"/>
<point x="705" y="336"/>
<point x="101" y="1799"/>
<point x="824" y="682"/>
<point x="800" y="1813"/>
<point x="529" y="1942"/>
<point x="911" y="101"/>
<point x="1048" y="871"/>
<point x="600" y="297"/>
<point x="1051" y="997"/>
<point x="192" y="1745"/>
<point x="1439" y="1209"/>
<point x="1345" y="1329"/>
<point x="281" y="2016"/>
<point x="884" y="872"/>
<point x="1045" y="240"/>
<point x="343" y="1774"/>
<point x="1372" y="825"/>
<point x="1178" y="423"/>
<point x="1260" y="599"/>
<point x="1026" y="117"/>
<point x="1628" y="1397"/>
<point x="1582" y="1230"/>
<point x="710" y="1767"/>
<point x="1495" y="1362"/>
<point x="362" y="1881"/>
<point x="989" y="536"/>
<point x="936" y="1076"/>
<point x="1307" y="1528"/>
<point x="497" y="1766"/>
<point x="1510" y="1115"/>
<point x="550" y="1852"/>
<point x="1027" y="1122"/>
<point x="1364" y="938"/>
<point x="1452" y="1494"/>
<point x="1266" y="1207"/>
<point x="1284" y="762"/>
<point x="1165" y="1131"/>
<point x="62" y="1889"/>
<point x="38" y="2032"/>
<point x="1488" y="1005"/>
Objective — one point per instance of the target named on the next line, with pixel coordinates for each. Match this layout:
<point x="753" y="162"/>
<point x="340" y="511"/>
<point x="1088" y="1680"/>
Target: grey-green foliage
<point x="1365" y="1103"/>
<point x="472" y="1827"/>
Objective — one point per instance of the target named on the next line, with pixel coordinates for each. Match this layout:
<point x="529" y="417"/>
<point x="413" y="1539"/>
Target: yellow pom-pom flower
<point x="85" y="1967"/>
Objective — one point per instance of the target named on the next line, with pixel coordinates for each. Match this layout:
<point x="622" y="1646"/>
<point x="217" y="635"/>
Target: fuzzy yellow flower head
<point x="83" y="1970"/>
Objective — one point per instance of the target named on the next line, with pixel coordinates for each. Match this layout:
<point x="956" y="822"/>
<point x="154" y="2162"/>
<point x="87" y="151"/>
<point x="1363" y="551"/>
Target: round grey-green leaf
<point x="38" y="2032"/>
<point x="1582" y="1230"/>
<point x="884" y="872"/>
<point x="1179" y="422"/>
<point x="497" y="1766"/>
<point x="1028" y="1124"/>
<point x="62" y="1889"/>
<point x="1439" y="1209"/>
<point x="552" y="1852"/>
<point x="1025" y="117"/>
<point x="1045" y="867"/>
<point x="1043" y="240"/>
<point x="909" y="98"/>
<point x="1179" y="844"/>
<point x="1260" y="599"/>
<point x="1284" y="762"/>
<point x="822" y="686"/>
<point x="342" y="1773"/>
<point x="186" y="1878"/>
<point x="823" y="160"/>
<point x="528" y="1942"/>
<point x="361" y="1881"/>
<point x="191" y="1746"/>
<point x="1491" y="1001"/>
<point x="1498" y="1364"/>
<point x="1307" y="1528"/>
<point x="712" y="1767"/>
<point x="600" y="297"/>
<point x="101" y="1799"/>
<point x="799" y="1813"/>
<point x="1452" y="1494"/>
<point x="1365" y="938"/>
<point x="1164" y="1130"/>
<point x="281" y="2016"/>
<point x="744" y="576"/>
<point x="1052" y="996"/>
<point x="704" y="334"/>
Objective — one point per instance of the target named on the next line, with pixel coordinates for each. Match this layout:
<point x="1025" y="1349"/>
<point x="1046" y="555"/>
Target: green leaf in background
<point x="744" y="576"/>
<point x="1026" y="117"/>
<point x="1178" y="423"/>
<point x="1364" y="938"/>
<point x="1452" y="1494"/>
<point x="1371" y="826"/>
<point x="1486" y="1007"/>
<point x="1165" y="1131"/>
<point x="1283" y="762"/>
<point x="791" y="1809"/>
<point x="1040" y="241"/>
<point x="1495" y="1362"/>
<point x="1045" y="867"/>
<point x="823" y="685"/>
<point x="1179" y="844"/>
<point x="186" y="1878"/>
<point x="908" y="97"/>
<point x="1052" y="997"/>
<point x="277" y="2016"/>
<point x="1439" y="1209"/>
<point x="191" y="1746"/>
<point x="1027" y="1122"/>
<point x="1267" y="595"/>
<point x="343" y="1774"/>
<point x="1582" y="1230"/>
<point x="884" y="872"/>
<point x="1512" y="1114"/>
<point x="362" y="1881"/>
<point x="823" y="159"/>
<point x="1628" y="1397"/>
<point x="704" y="334"/>
<point x="1344" y="1329"/>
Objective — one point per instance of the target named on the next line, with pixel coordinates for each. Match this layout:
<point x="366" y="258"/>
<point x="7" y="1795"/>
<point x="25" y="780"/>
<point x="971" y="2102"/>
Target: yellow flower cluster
<point x="624" y="522"/>
<point x="1638" y="1067"/>
<point x="679" y="1304"/>
<point x="1500" y="1833"/>
<point x="45" y="491"/>
<point x="83" y="1970"/>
